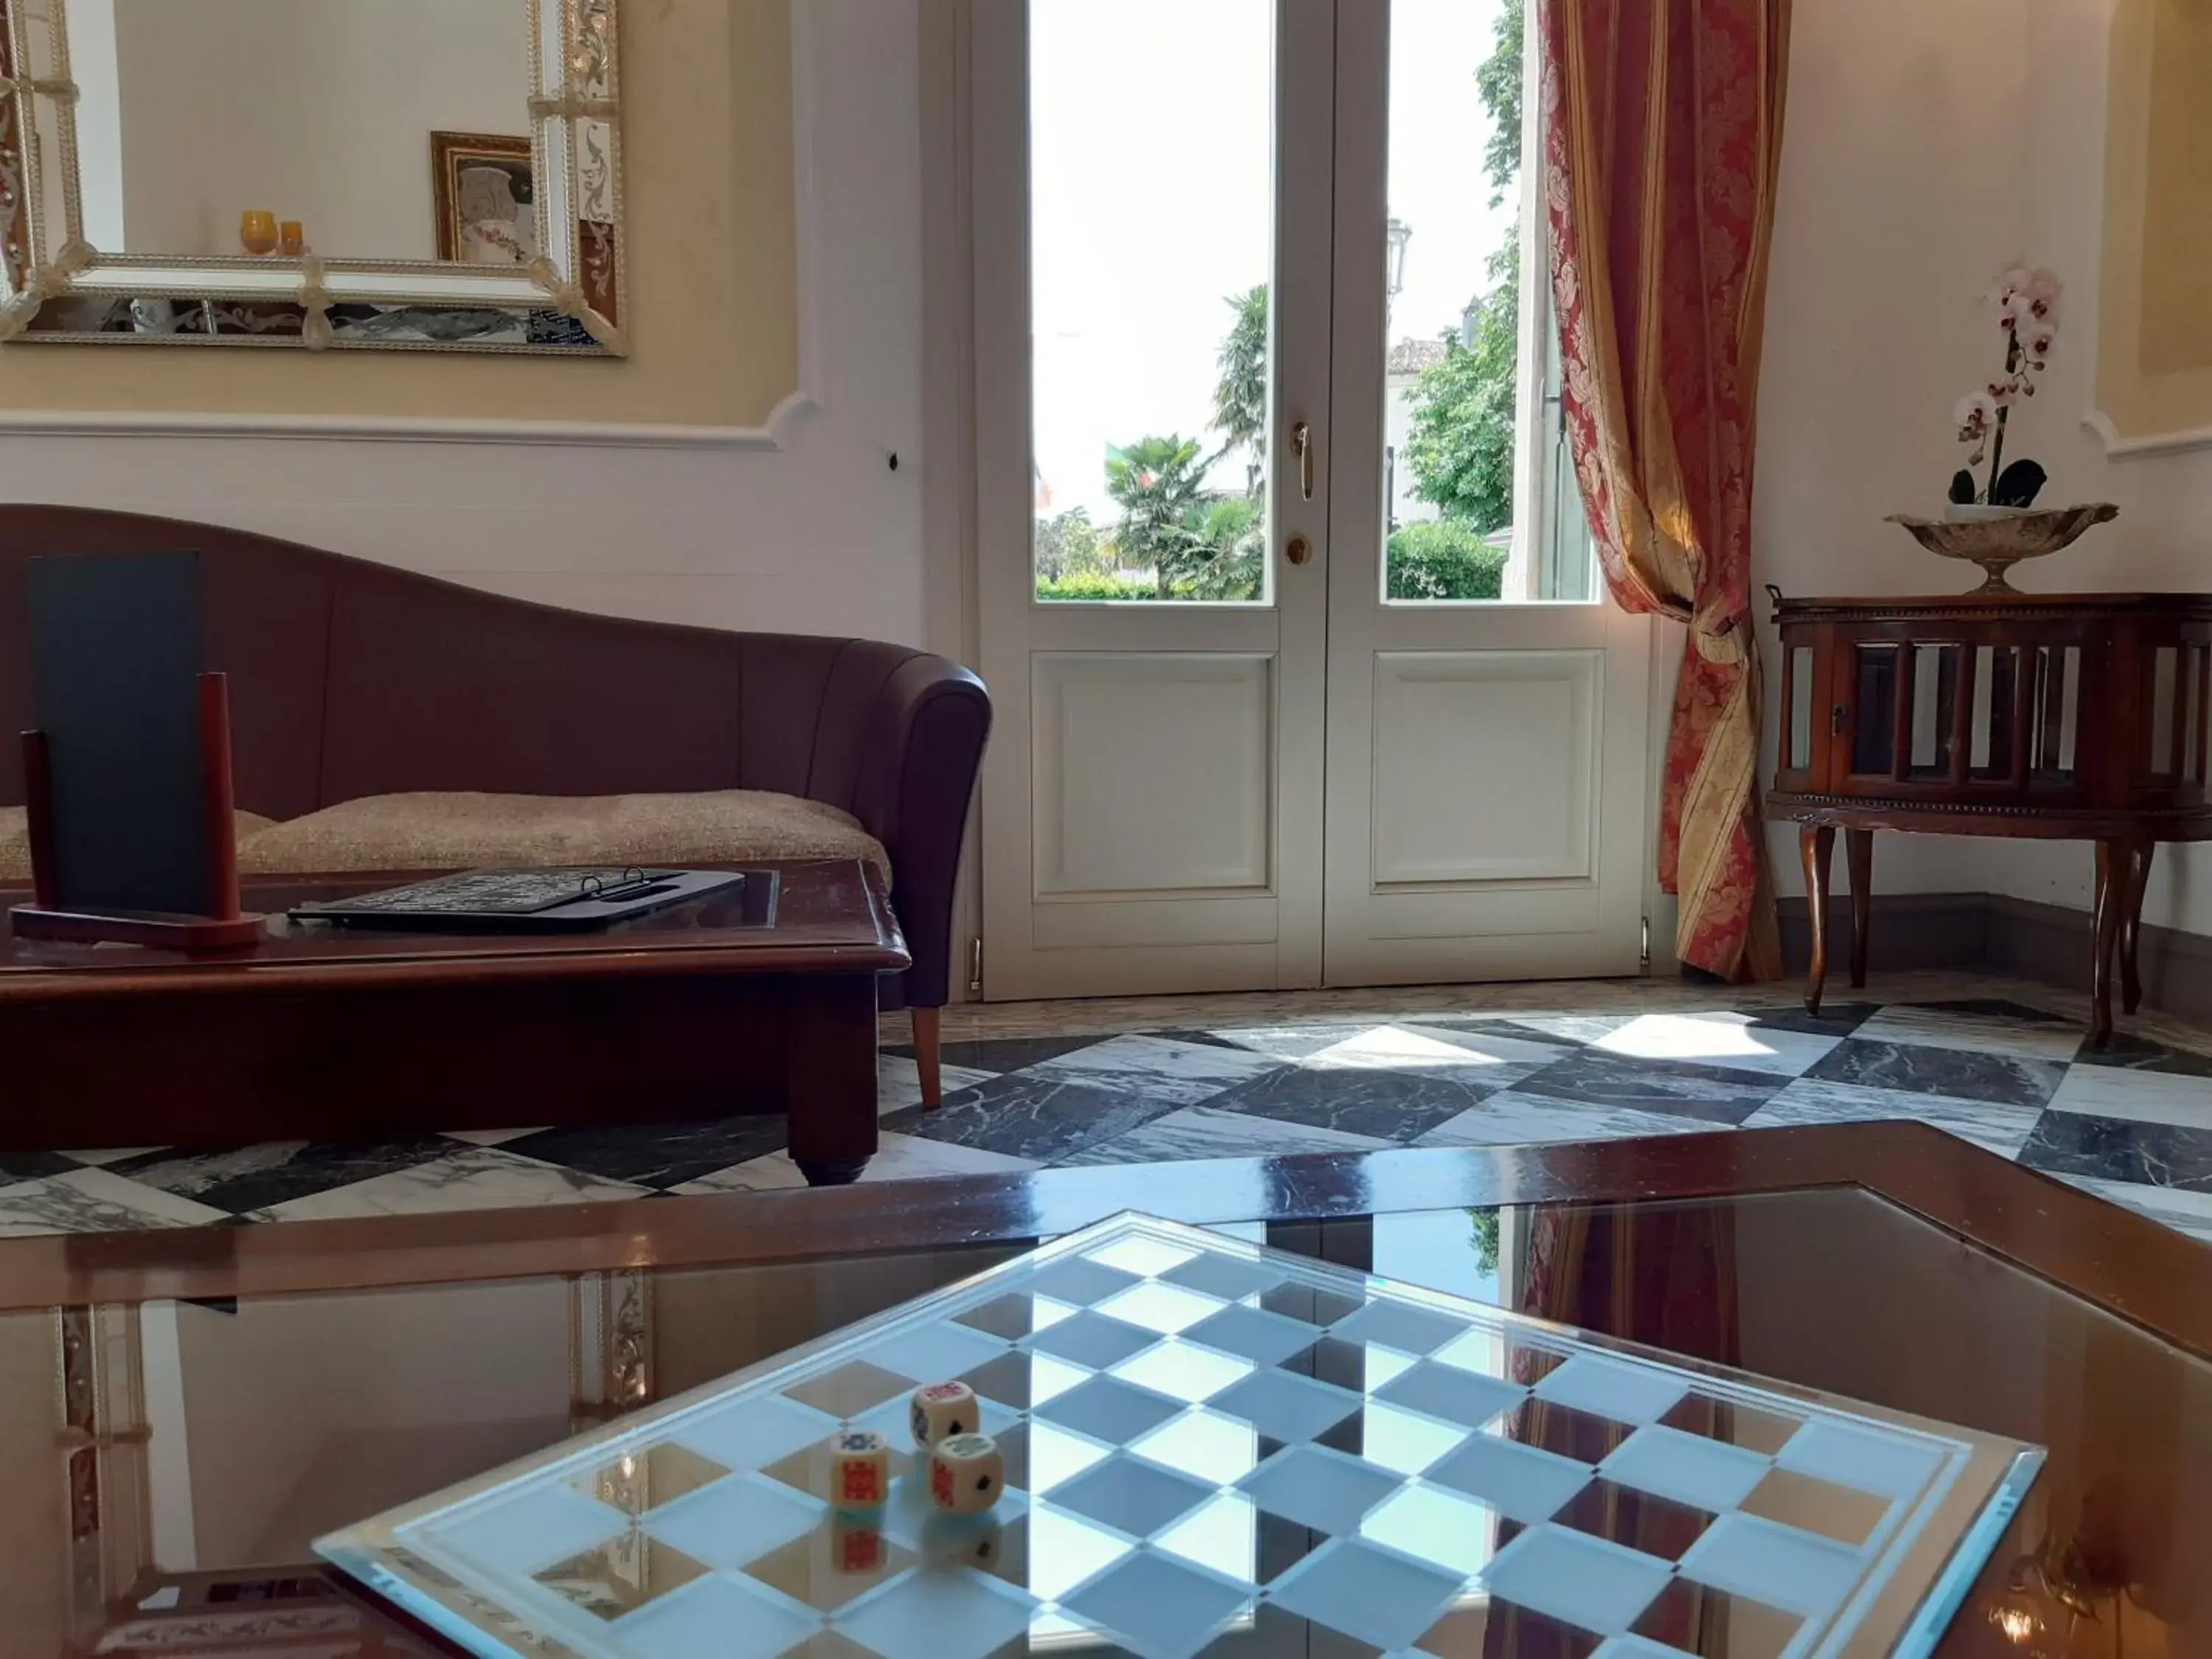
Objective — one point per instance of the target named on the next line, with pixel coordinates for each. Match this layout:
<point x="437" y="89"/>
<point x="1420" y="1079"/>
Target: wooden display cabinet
<point x="2051" y="716"/>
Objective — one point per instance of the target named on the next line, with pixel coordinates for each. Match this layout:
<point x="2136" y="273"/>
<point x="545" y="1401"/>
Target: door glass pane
<point x="2165" y="670"/>
<point x="1935" y="709"/>
<point x="2057" y="709"/>
<point x="1467" y="423"/>
<point x="2193" y="727"/>
<point x="1801" y="709"/>
<point x="1873" y="711"/>
<point x="1151" y="134"/>
<point x="1996" y="701"/>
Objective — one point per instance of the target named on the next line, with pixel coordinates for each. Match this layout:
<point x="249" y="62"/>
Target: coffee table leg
<point x="830" y="1076"/>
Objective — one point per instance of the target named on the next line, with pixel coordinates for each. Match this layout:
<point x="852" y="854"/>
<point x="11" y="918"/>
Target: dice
<point x="965" y="1473"/>
<point x="942" y="1410"/>
<point x="856" y="1546"/>
<point x="859" y="1469"/>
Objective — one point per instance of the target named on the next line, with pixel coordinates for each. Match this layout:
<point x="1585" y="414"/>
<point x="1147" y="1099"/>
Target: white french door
<point x="1290" y="691"/>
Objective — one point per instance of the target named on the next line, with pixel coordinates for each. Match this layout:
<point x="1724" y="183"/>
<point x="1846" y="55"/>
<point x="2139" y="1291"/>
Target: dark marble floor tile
<point x="2007" y="1080"/>
<point x="2121" y="1149"/>
<point x="1996" y="1008"/>
<point x="1681" y="1088"/>
<point x="657" y="1155"/>
<point x="31" y="1166"/>
<point x="244" y="1178"/>
<point x="1004" y="1054"/>
<point x="1834" y="1019"/>
<point x="2139" y="1053"/>
<point x="1394" y="1106"/>
<point x="1041" y="1118"/>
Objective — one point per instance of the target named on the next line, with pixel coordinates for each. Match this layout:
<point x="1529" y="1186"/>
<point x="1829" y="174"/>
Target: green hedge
<point x="1444" y="561"/>
<point x="1098" y="585"/>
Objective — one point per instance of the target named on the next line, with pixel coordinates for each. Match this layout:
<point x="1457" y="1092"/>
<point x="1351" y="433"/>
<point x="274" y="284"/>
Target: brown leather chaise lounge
<point x="382" y="718"/>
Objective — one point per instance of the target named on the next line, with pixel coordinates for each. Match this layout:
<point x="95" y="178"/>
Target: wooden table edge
<point x="2135" y="1269"/>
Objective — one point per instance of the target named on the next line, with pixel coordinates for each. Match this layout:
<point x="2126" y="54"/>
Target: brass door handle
<point x="1302" y="447"/>
<point x="1298" y="550"/>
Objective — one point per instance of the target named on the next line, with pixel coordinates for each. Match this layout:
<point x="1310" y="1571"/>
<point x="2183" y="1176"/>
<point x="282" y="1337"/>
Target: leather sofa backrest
<point x="350" y="678"/>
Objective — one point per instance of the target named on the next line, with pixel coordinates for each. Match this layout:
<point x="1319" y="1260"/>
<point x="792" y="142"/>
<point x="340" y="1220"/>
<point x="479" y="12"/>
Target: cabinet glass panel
<point x="1801" y="709"/>
<point x="1874" y="709"/>
<point x="1996" y="713"/>
<point x="1934" y="709"/>
<point x="2165" y="677"/>
<point x="2057" y="709"/>
<point x="2192" y="726"/>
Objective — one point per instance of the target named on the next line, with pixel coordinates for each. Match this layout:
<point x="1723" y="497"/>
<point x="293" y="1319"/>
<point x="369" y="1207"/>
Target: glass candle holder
<point x="291" y="239"/>
<point x="256" y="231"/>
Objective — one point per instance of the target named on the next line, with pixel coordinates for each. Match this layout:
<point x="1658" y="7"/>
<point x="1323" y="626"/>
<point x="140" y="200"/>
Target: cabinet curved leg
<point x="2131" y="927"/>
<point x="1816" y="844"/>
<point x="1859" y="854"/>
<point x="2115" y="859"/>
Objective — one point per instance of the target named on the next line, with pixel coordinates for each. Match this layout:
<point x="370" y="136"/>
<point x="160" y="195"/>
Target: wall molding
<point x="2120" y="448"/>
<point x="773" y="436"/>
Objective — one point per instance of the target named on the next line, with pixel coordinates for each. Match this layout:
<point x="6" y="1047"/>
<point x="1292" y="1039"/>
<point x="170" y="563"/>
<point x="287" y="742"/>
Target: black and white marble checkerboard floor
<point x="2134" y="1124"/>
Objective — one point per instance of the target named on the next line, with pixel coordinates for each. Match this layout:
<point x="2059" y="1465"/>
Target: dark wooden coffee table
<point x="711" y="1008"/>
<point x="1885" y="1261"/>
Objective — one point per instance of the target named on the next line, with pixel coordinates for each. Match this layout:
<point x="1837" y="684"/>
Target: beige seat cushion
<point x="15" y="840"/>
<point x="462" y="831"/>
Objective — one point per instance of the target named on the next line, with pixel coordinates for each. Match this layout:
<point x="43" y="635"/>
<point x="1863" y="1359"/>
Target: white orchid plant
<point x="2027" y="303"/>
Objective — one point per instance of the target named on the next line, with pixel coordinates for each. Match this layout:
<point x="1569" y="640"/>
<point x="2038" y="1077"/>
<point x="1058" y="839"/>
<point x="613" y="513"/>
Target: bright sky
<point x="1152" y="178"/>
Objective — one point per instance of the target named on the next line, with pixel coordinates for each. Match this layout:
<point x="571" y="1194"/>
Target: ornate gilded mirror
<point x="416" y="175"/>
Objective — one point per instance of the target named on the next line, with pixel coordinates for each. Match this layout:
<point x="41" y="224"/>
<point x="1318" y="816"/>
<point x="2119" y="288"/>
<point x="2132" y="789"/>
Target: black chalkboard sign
<point x="116" y="656"/>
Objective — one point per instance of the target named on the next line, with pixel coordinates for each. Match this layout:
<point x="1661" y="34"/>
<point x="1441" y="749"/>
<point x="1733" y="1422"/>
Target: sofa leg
<point x="927" y="1030"/>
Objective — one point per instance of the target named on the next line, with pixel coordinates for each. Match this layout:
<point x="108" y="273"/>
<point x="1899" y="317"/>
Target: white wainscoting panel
<point x="1485" y="765"/>
<point x="1154" y="771"/>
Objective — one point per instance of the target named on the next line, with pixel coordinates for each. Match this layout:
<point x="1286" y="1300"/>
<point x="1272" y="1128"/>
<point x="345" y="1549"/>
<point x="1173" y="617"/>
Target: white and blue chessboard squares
<point x="726" y="1616"/>
<point x="1159" y="1307"/>
<point x="1522" y="1483"/>
<point x="933" y="1351"/>
<point x="736" y="1520"/>
<point x="1620" y="1389"/>
<point x="1885" y="1464"/>
<point x="1286" y="1406"/>
<point x="754" y="1433"/>
<point x="531" y="1529"/>
<point x="1591" y="1583"/>
<point x="1774" y="1564"/>
<point x="1253" y="1333"/>
<point x="1092" y="1340"/>
<point x="925" y="1615"/>
<point x="1158" y="1607"/>
<point x="1400" y="1325"/>
<point x="1132" y="1496"/>
<point x="1183" y="1371"/>
<point x="1464" y="1397"/>
<point x="1373" y="1594"/>
<point x="1318" y="1487"/>
<point x="1707" y="1474"/>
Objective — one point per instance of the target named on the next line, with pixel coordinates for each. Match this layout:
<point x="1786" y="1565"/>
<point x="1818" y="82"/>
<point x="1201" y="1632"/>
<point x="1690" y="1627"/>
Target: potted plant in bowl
<point x="1991" y="519"/>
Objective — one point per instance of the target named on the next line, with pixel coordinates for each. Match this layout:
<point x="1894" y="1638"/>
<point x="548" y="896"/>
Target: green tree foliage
<point x="1485" y="1241"/>
<point x="1443" y="561"/>
<point x="1069" y="544"/>
<point x="1240" y="394"/>
<point x="1158" y="483"/>
<point x="1498" y="83"/>
<point x="1232" y="538"/>
<point x="1460" y="445"/>
<point x="1095" y="585"/>
<point x="1461" y="449"/>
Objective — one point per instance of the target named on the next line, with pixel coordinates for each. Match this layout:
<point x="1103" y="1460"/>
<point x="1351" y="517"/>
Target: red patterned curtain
<point x="1663" y="131"/>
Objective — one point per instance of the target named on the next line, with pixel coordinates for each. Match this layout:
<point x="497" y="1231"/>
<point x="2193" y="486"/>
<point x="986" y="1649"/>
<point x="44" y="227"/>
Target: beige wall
<point x="315" y="110"/>
<point x="2154" y="356"/>
<point x="712" y="273"/>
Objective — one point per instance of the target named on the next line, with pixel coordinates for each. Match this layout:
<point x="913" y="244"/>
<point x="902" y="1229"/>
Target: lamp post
<point x="1396" y="234"/>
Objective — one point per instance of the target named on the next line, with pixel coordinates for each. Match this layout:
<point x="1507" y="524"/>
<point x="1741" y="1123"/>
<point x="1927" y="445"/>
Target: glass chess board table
<point x="184" y="1413"/>
<point x="1212" y="1447"/>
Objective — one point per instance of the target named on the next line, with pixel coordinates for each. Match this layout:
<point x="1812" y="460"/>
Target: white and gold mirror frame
<point x="569" y="300"/>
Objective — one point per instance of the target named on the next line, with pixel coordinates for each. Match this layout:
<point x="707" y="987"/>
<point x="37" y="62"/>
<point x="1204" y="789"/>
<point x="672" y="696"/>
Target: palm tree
<point x="1240" y="395"/>
<point x="1232" y="541"/>
<point x="1156" y="482"/>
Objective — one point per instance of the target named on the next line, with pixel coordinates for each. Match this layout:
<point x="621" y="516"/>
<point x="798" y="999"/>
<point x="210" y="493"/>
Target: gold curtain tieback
<point x="315" y="302"/>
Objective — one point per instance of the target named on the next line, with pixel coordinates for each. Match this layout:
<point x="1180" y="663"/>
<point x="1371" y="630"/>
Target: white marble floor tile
<point x="490" y="1137"/>
<point x="1476" y="1056"/>
<point x="1571" y="1028"/>
<point x="898" y="1158"/>
<point x="1719" y="1039"/>
<point x="2001" y="1129"/>
<point x="2141" y="1097"/>
<point x="94" y="1200"/>
<point x="1508" y="1119"/>
<point x="1199" y="1131"/>
<point x="898" y="1081"/>
<point x="2183" y="1211"/>
<point x="1981" y="1034"/>
<point x="103" y="1156"/>
<point x="1159" y="1068"/>
<point x="474" y="1178"/>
